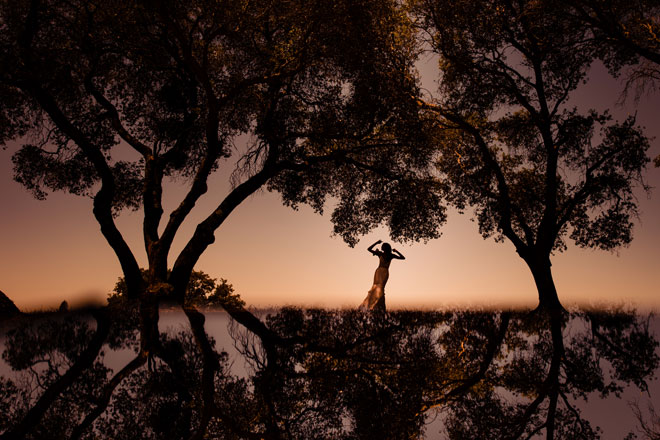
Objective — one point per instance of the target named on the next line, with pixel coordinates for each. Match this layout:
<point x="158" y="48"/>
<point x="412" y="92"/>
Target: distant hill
<point x="7" y="306"/>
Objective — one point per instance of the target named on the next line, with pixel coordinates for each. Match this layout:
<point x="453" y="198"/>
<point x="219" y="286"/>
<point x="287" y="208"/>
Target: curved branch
<point x="492" y="348"/>
<point x="210" y="361"/>
<point x="213" y="144"/>
<point x="104" y="399"/>
<point x="504" y="201"/>
<point x="198" y="188"/>
<point x="204" y="233"/>
<point x="113" y="114"/>
<point x="84" y="362"/>
<point x="104" y="197"/>
<point x="152" y="194"/>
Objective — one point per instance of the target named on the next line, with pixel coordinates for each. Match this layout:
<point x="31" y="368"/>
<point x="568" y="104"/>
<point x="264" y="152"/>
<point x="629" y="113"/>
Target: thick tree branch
<point x="504" y="201"/>
<point x="546" y="236"/>
<point x="213" y="144"/>
<point x="103" y="200"/>
<point x="204" y="233"/>
<point x="210" y="362"/>
<point x="113" y="115"/>
<point x="152" y="191"/>
<point x="153" y="210"/>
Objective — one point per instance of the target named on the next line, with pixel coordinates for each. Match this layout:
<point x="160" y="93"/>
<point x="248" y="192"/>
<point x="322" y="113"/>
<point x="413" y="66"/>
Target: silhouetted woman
<point x="375" y="299"/>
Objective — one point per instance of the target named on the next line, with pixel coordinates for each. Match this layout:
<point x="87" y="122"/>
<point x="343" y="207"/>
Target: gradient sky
<point x="53" y="250"/>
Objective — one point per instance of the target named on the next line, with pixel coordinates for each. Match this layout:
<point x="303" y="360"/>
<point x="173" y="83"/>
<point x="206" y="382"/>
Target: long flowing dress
<point x="375" y="299"/>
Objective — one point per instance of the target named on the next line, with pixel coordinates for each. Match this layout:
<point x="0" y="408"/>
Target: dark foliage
<point x="317" y="374"/>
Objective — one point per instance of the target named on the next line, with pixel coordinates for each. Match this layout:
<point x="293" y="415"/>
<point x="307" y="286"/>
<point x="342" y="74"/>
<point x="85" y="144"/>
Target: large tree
<point x="535" y="169"/>
<point x="111" y="98"/>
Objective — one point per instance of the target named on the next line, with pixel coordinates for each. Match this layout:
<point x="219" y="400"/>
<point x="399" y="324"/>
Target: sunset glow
<point x="52" y="250"/>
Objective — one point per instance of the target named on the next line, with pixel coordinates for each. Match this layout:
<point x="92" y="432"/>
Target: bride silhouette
<point x="375" y="299"/>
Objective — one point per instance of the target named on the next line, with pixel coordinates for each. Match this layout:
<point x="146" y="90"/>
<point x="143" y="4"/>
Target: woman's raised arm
<point x="371" y="248"/>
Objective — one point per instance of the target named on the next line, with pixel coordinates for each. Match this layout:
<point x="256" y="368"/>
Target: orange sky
<point x="53" y="250"/>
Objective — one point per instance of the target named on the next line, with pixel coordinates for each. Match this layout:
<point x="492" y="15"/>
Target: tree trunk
<point x="149" y="316"/>
<point x="545" y="285"/>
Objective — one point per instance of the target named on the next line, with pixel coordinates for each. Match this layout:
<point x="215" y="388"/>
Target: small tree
<point x="202" y="291"/>
<point x="535" y="169"/>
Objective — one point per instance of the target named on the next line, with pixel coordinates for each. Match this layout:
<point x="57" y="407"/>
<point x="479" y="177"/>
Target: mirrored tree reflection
<point x="319" y="374"/>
